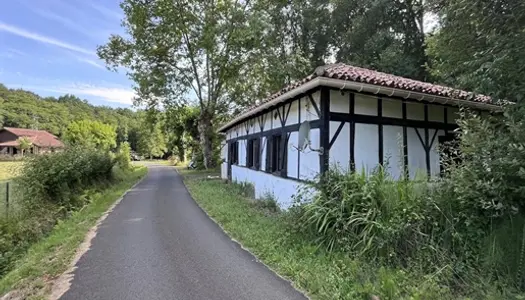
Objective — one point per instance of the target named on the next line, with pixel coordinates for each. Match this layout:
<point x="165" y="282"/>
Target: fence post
<point x="7" y="199"/>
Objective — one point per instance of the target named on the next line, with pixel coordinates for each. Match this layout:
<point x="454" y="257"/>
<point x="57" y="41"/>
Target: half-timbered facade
<point x="358" y="119"/>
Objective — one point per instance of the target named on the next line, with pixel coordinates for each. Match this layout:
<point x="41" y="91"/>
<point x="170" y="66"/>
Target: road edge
<point x="63" y="283"/>
<point x="240" y="245"/>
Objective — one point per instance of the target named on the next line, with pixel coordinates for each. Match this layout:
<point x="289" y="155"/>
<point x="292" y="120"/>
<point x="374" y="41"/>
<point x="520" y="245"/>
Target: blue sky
<point x="49" y="47"/>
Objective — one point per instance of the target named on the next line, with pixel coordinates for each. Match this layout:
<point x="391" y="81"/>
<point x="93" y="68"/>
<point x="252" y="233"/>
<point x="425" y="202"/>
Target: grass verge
<point x="47" y="259"/>
<point x="319" y="274"/>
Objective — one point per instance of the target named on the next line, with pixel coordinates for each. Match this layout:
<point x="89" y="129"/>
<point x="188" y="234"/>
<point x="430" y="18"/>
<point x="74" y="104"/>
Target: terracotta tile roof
<point x="357" y="74"/>
<point x="40" y="138"/>
<point x="361" y="75"/>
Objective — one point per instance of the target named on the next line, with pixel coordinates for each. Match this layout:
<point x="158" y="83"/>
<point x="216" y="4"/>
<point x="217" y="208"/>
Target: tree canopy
<point x="91" y="134"/>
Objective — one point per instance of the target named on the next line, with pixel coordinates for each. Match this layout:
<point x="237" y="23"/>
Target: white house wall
<point x="386" y="116"/>
<point x="393" y="150"/>
<point x="281" y="189"/>
<point x="300" y="165"/>
<point x="309" y="160"/>
<point x="366" y="140"/>
<point x="224" y="163"/>
<point x="366" y="149"/>
<point x="339" y="153"/>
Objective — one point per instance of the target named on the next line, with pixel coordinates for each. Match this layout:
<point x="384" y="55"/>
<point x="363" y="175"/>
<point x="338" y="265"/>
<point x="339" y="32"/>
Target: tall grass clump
<point x="466" y="229"/>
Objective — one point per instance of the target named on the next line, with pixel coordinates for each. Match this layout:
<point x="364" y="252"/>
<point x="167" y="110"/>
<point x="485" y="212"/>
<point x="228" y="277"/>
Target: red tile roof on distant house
<point x="40" y="138"/>
<point x="366" y="76"/>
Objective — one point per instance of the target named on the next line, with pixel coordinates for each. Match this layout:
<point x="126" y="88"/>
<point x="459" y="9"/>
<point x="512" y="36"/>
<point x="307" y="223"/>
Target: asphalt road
<point x="158" y="244"/>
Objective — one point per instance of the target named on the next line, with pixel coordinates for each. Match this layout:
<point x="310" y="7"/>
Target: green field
<point x="9" y="169"/>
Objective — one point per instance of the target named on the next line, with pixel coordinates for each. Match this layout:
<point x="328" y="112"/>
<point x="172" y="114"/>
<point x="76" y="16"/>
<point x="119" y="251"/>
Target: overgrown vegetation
<point x="51" y="256"/>
<point x="49" y="188"/>
<point x="456" y="237"/>
<point x="466" y="229"/>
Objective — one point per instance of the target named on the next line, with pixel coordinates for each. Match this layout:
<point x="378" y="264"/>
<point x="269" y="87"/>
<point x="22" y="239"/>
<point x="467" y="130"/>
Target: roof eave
<point x="360" y="87"/>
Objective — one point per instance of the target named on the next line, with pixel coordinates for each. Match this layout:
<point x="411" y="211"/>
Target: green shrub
<point x="49" y="187"/>
<point x="468" y="227"/>
<point x="58" y="178"/>
<point x="123" y="157"/>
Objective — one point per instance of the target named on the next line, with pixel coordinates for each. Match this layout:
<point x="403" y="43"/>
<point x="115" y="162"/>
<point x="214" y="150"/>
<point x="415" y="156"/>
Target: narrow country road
<point x="158" y="244"/>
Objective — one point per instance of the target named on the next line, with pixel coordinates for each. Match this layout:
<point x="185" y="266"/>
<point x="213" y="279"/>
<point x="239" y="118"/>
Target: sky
<point x="49" y="47"/>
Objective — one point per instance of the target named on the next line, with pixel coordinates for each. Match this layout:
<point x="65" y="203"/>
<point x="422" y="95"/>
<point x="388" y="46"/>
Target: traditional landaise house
<point x="41" y="141"/>
<point x="358" y="119"/>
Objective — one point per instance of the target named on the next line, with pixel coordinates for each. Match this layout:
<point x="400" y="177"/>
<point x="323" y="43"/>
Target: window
<point x="275" y="154"/>
<point x="234" y="153"/>
<point x="253" y="156"/>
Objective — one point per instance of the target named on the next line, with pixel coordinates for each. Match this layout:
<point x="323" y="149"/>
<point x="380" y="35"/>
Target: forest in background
<point x="76" y="121"/>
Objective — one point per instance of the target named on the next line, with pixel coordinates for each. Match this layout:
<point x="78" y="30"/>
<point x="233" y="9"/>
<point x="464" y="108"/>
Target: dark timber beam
<point x="352" y="131"/>
<point x="325" y="129"/>
<point x="287" y="129"/>
<point x="427" y="150"/>
<point x="366" y="119"/>
<point x="380" y="131"/>
<point x="336" y="134"/>
<point x="405" y="142"/>
<point x="312" y="101"/>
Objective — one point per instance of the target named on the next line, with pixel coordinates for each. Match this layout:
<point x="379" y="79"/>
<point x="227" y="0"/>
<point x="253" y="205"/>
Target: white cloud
<point x="90" y="62"/>
<point x="43" y="39"/>
<point x="111" y="94"/>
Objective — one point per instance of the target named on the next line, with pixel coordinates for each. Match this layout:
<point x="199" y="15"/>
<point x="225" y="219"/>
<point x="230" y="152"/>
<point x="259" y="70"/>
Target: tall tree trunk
<point x="205" y="136"/>
<point x="180" y="150"/>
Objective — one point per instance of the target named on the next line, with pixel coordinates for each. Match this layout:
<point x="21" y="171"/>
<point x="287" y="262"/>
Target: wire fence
<point x="8" y="197"/>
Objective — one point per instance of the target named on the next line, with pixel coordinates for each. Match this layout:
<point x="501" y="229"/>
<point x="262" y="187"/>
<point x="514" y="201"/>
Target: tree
<point x="479" y="46"/>
<point x="386" y="35"/>
<point x="91" y="134"/>
<point x="178" y="47"/>
<point x="24" y="143"/>
<point x="152" y="142"/>
<point x="180" y="126"/>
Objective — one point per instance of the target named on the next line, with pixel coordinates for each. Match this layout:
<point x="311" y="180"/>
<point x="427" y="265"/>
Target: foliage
<point x="58" y="178"/>
<point x="174" y="47"/>
<point x="180" y="126"/>
<point x="50" y="254"/>
<point x="50" y="187"/>
<point x="478" y="46"/>
<point x="468" y="225"/>
<point x="152" y="142"/>
<point x="92" y="134"/>
<point x="24" y="109"/>
<point x="384" y="35"/>
<point x="24" y="144"/>
<point x="123" y="157"/>
<point x="320" y="274"/>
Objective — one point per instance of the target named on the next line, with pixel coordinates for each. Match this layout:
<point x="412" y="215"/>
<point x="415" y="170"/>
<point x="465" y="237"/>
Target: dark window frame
<point x="276" y="155"/>
<point x="234" y="153"/>
<point x="253" y="154"/>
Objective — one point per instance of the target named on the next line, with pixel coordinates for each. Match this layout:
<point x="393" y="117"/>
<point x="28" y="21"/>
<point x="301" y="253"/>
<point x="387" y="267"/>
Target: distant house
<point x="358" y="119"/>
<point x="41" y="140"/>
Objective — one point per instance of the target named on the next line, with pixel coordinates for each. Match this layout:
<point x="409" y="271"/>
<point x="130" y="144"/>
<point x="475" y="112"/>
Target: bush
<point x="123" y="157"/>
<point x="49" y="187"/>
<point x="58" y="178"/>
<point x="469" y="226"/>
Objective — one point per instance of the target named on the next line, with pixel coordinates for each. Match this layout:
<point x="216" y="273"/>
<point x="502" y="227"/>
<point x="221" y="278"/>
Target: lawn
<point x="9" y="169"/>
<point x="319" y="274"/>
<point x="35" y="273"/>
